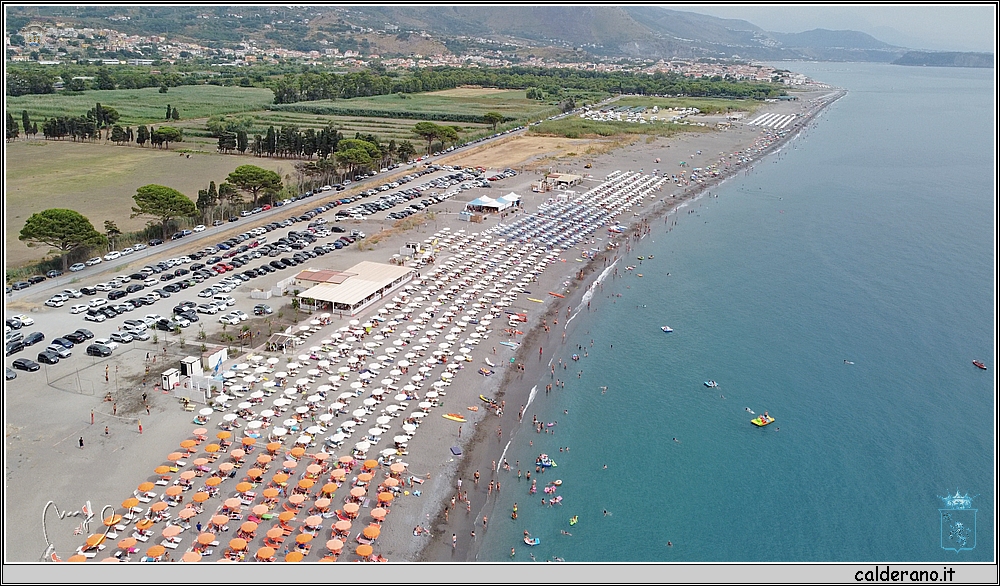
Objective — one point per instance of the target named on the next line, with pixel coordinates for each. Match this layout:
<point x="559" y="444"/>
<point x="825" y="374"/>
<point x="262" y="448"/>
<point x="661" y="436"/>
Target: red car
<point x="266" y="207"/>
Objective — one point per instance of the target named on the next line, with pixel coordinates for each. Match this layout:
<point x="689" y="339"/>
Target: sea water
<point x="869" y="238"/>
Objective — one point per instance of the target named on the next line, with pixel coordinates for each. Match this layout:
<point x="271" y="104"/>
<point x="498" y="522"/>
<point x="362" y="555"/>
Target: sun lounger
<point x="140" y="537"/>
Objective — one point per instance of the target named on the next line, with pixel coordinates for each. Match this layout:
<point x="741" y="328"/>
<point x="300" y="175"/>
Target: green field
<point x="575" y="127"/>
<point x="147" y="105"/>
<point x="706" y="105"/>
<point x="430" y="106"/>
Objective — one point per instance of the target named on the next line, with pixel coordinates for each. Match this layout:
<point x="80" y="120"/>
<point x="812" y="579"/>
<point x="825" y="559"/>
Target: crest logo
<point x="958" y="522"/>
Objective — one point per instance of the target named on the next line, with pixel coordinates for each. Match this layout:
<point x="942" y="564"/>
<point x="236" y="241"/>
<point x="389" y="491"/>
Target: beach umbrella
<point x="351" y="508"/>
<point x="335" y="545"/>
<point x="364" y="550"/>
<point x="158" y="506"/>
<point x="243" y="487"/>
<point x="171" y="531"/>
<point x="144" y="523"/>
<point x="270" y="492"/>
<point x="173" y="490"/>
<point x="238" y="544"/>
<point x="213" y="481"/>
<point x="206" y="538"/>
<point x="293" y="556"/>
<point x="200" y="497"/>
<point x="264" y="553"/>
<point x="77" y="558"/>
<point x="191" y="556"/>
<point x="187" y="513"/>
<point x="372" y="531"/>
<point x="232" y="503"/>
<point x="250" y="526"/>
<point x="156" y="551"/>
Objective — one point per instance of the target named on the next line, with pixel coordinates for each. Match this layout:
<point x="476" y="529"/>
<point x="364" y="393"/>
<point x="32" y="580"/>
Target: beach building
<point x="486" y="204"/>
<point x="350" y="291"/>
<point x="563" y="180"/>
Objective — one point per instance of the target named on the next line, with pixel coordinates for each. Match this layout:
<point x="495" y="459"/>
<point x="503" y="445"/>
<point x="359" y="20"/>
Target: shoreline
<point x="479" y="448"/>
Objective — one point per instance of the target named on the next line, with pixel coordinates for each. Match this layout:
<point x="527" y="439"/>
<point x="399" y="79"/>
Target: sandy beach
<point x="44" y="462"/>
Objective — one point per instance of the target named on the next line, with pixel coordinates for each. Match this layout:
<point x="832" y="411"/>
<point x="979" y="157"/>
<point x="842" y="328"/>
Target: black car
<point x="48" y="357"/>
<point x="139" y="276"/>
<point x="164" y="324"/>
<point x="88" y="290"/>
<point x="117" y="294"/>
<point x="155" y="242"/>
<point x="171" y="288"/>
<point x="65" y="343"/>
<point x="36" y="279"/>
<point x="189" y="315"/>
<point x="33" y="338"/>
<point x="163" y="293"/>
<point x="135" y="288"/>
<point x="25" y="364"/>
<point x="98" y="350"/>
<point x="53" y="274"/>
<point x="74" y="337"/>
<point x="13" y="347"/>
<point x="86" y="333"/>
<point x="262" y="309"/>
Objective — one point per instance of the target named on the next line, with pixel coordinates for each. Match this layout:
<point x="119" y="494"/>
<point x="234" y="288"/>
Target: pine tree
<point x="12" y="128"/>
<point x="142" y="135"/>
<point x="168" y="112"/>
<point x="175" y="114"/>
<point x="25" y="122"/>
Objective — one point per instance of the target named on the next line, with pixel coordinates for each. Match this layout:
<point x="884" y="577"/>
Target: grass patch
<point x="146" y="105"/>
<point x="580" y="128"/>
<point x="706" y="105"/>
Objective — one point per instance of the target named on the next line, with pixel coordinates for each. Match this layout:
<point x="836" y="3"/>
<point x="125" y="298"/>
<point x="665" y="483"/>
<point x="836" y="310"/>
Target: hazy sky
<point x="954" y="27"/>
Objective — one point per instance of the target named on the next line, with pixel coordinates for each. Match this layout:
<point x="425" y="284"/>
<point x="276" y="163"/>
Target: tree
<point x="112" y="232"/>
<point x="175" y="115"/>
<point x="227" y="142"/>
<point x="142" y="135"/>
<point x="163" y="89"/>
<point x="12" y="128"/>
<point x="66" y="230"/>
<point x="493" y="118"/>
<point x="168" y="112"/>
<point x="25" y="123"/>
<point x="75" y="85"/>
<point x="242" y="141"/>
<point x="230" y="194"/>
<point x="405" y="150"/>
<point x="162" y="203"/>
<point x="118" y="135"/>
<point x="252" y="179"/>
<point x="166" y="135"/>
<point x="104" y="80"/>
<point x="427" y="131"/>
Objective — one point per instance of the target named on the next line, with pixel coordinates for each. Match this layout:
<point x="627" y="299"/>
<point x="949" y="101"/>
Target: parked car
<point x="60" y="351"/>
<point x="25" y="364"/>
<point x="33" y="338"/>
<point x="98" y="350"/>
<point x="77" y="267"/>
<point x="86" y="333"/>
<point x="48" y="357"/>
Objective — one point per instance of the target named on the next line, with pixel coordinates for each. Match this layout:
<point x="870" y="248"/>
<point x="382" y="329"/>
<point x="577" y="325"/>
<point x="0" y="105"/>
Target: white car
<point x="98" y="301"/>
<point x="121" y="337"/>
<point x="231" y="320"/>
<point x="77" y="267"/>
<point x="98" y="317"/>
<point x="103" y="287"/>
<point x="151" y="319"/>
<point x="141" y="336"/>
<point x="150" y="282"/>
<point x="72" y="293"/>
<point x="139" y="246"/>
<point x="199" y="228"/>
<point x="206" y="308"/>
<point x="25" y="320"/>
<point x="106" y="342"/>
<point x="239" y="314"/>
<point x="79" y="308"/>
<point x="182" y="322"/>
<point x="55" y="302"/>
<point x="113" y="255"/>
<point x="94" y="261"/>
<point x="127" y="251"/>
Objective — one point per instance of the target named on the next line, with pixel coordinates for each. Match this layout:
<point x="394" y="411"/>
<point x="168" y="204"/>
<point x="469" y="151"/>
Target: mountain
<point x="946" y="59"/>
<point x="630" y="31"/>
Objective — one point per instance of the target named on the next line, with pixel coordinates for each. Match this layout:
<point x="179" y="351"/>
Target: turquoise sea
<point x="869" y="238"/>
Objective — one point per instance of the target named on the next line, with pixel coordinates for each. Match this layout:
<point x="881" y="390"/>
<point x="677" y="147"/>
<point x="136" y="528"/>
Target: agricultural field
<point x="146" y="105"/>
<point x="384" y="128"/>
<point x="98" y="180"/>
<point x="455" y="105"/>
<point x="706" y="105"/>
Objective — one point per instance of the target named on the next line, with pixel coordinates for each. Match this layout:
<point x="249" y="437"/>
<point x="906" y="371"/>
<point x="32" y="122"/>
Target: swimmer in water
<point x="722" y="396"/>
<point x="677" y="440"/>
<point x="604" y="390"/>
<point x="564" y="532"/>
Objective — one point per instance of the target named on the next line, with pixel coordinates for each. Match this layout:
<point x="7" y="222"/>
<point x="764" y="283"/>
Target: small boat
<point x="532" y="541"/>
<point x="573" y="520"/>
<point x="454" y="417"/>
<point x="641" y="257"/>
<point x="711" y="384"/>
<point x="487" y="400"/>
<point x="762" y="420"/>
<point x="544" y="461"/>
<point x="510" y="344"/>
<point x="979" y="364"/>
<point x="667" y="329"/>
<point x="535" y="300"/>
<point x="557" y="295"/>
<point x="575" y="357"/>
<point x="488" y="363"/>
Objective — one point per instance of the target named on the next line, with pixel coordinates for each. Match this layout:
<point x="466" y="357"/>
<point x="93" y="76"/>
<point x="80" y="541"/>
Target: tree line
<point x="321" y="85"/>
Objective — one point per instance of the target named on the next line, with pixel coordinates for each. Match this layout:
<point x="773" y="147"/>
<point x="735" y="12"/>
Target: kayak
<point x="557" y="295"/>
<point x="761" y="420"/>
<point x="979" y="364"/>
<point x="487" y="400"/>
<point x="667" y="329"/>
<point x="535" y="300"/>
<point x="454" y="417"/>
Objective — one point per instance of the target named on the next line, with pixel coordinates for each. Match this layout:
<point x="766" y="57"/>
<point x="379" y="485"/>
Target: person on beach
<point x="484" y="518"/>
<point x="81" y="442"/>
<point x="476" y="477"/>
<point x="454" y="541"/>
